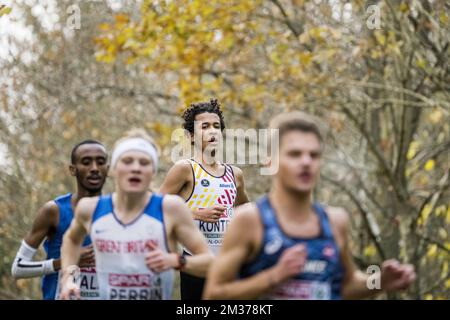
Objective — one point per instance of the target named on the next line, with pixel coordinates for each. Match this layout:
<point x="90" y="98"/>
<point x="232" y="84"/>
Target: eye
<point x="85" y="161"/>
<point x="144" y="162"/>
<point x="127" y="160"/>
<point x="101" y="161"/>
<point x="315" y="155"/>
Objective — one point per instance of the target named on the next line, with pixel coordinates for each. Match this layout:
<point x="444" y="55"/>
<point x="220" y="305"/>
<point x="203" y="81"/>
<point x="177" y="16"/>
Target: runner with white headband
<point x="134" y="231"/>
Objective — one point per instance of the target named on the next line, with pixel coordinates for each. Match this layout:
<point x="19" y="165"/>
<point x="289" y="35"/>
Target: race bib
<point x="302" y="290"/>
<point x="87" y="282"/>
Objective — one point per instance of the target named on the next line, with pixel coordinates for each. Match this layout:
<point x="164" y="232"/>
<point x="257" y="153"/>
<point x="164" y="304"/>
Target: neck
<point x="129" y="204"/>
<point x="82" y="193"/>
<point x="206" y="160"/>
<point x="289" y="202"/>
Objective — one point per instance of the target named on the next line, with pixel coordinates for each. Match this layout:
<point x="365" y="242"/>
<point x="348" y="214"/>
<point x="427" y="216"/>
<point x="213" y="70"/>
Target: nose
<point x="136" y="166"/>
<point x="306" y="160"/>
<point x="94" y="167"/>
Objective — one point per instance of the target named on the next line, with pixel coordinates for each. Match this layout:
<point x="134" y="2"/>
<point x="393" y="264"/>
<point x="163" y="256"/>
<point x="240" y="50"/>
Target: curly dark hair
<point x="194" y="109"/>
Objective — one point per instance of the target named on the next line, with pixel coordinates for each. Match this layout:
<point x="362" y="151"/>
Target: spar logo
<point x="129" y="280"/>
<point x="205" y="182"/>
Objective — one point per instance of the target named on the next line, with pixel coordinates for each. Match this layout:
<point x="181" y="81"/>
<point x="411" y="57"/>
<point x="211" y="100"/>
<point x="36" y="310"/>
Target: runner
<point x="89" y="167"/>
<point x="295" y="248"/>
<point x="134" y="231"/>
<point x="210" y="188"/>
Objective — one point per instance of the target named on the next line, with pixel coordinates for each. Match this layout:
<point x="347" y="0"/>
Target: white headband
<point x="135" y="144"/>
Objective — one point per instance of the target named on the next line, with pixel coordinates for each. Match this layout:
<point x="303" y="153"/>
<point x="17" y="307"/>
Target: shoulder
<point x="49" y="212"/>
<point x="238" y="173"/>
<point x="86" y="207"/>
<point x="173" y="203"/>
<point x="181" y="167"/>
<point x="339" y="219"/>
<point x="50" y="208"/>
<point x="183" y="164"/>
<point x="246" y="215"/>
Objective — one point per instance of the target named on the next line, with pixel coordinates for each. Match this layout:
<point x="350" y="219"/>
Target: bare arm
<point x="181" y="229"/>
<point x="242" y="196"/>
<point x="188" y="235"/>
<point x="24" y="266"/>
<point x="241" y="242"/>
<point x="176" y="178"/>
<point x="72" y="241"/>
<point x="394" y="276"/>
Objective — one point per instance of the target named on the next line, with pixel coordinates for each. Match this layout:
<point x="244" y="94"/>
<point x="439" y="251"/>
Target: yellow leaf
<point x="436" y="116"/>
<point x="4" y="10"/>
<point x="425" y="212"/>
<point x="428" y="296"/>
<point x="447" y="219"/>
<point x="421" y="63"/>
<point x="412" y="150"/>
<point x="104" y="26"/>
<point x="404" y="7"/>
<point x="447" y="284"/>
<point x="370" y="250"/>
<point x="440" y="211"/>
<point x="444" y="272"/>
<point x="429" y="165"/>
<point x="305" y="58"/>
<point x="443" y="18"/>
<point x="381" y="38"/>
<point x="432" y="250"/>
<point x="122" y="19"/>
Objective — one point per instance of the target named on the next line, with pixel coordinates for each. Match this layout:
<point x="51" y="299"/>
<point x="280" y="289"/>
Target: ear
<point x="73" y="170"/>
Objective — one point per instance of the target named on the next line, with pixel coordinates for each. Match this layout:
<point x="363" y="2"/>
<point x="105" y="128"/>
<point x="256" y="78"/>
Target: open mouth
<point x="134" y="180"/>
<point x="212" y="139"/>
<point x="305" y="176"/>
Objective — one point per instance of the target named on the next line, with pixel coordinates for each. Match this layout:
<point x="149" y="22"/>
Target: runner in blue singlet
<point x="286" y="246"/>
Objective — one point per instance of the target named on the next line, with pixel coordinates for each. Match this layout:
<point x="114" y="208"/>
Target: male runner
<point x="287" y="247"/>
<point x="89" y="166"/>
<point x="134" y="231"/>
<point x="210" y="188"/>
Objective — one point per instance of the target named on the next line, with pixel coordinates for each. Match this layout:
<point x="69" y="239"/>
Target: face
<point x="90" y="167"/>
<point x="299" y="162"/>
<point x="207" y="129"/>
<point x="134" y="172"/>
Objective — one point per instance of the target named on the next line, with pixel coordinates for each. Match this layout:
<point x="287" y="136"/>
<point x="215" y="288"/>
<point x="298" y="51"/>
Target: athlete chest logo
<point x="273" y="245"/>
<point x="205" y="182"/>
<point x="328" y="251"/>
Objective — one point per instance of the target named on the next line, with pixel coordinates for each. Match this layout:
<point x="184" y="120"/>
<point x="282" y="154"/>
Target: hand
<point x="158" y="261"/>
<point x="211" y="214"/>
<point x="291" y="263"/>
<point x="87" y="258"/>
<point x="69" y="287"/>
<point x="396" y="276"/>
